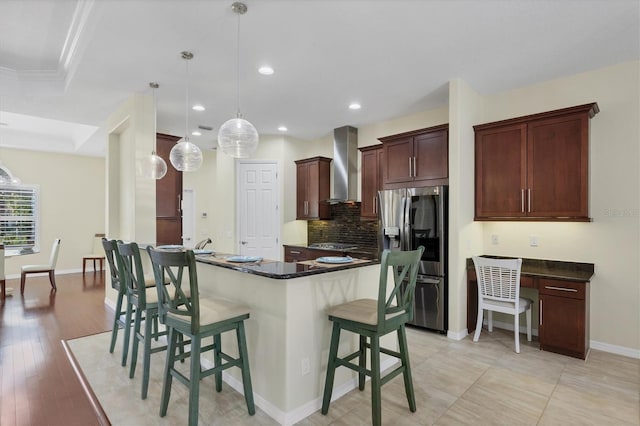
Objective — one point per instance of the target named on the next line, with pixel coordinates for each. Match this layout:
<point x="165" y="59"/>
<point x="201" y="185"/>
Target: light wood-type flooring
<point x="456" y="382"/>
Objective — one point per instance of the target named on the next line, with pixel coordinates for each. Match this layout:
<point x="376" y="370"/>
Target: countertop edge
<point x="308" y="270"/>
<point x="552" y="269"/>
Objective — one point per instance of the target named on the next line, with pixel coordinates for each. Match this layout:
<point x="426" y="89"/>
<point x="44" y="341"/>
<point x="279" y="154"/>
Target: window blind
<point x="19" y="216"/>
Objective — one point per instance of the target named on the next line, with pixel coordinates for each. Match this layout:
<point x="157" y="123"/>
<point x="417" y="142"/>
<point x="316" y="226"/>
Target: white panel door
<point x="188" y="218"/>
<point x="258" y="210"/>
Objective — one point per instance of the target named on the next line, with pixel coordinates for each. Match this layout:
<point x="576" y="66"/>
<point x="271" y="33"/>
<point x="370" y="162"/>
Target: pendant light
<point x="154" y="166"/>
<point x="237" y="137"/>
<point x="186" y="156"/>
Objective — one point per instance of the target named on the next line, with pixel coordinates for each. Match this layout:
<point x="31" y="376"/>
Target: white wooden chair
<point x="97" y="254"/>
<point x="49" y="267"/>
<point x="499" y="291"/>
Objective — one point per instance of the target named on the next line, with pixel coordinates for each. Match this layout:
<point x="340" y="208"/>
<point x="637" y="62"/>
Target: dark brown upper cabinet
<point x="371" y="179"/>
<point x="417" y="158"/>
<point x="534" y="167"/>
<point x="313" y="180"/>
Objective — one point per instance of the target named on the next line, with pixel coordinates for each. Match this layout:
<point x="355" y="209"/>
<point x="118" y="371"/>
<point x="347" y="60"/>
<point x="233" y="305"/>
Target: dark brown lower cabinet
<point x="563" y="324"/>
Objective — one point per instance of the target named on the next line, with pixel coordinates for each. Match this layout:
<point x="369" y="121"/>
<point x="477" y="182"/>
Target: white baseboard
<point x="593" y="344"/>
<point x="615" y="349"/>
<point x="291" y="417"/>
<point x="457" y="335"/>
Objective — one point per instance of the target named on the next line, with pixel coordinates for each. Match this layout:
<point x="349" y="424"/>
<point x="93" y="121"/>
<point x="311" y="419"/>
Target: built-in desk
<point x="563" y="305"/>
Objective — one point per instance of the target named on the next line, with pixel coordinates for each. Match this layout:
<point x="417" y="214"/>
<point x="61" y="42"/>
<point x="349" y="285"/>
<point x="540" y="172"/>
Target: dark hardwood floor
<point x="38" y="384"/>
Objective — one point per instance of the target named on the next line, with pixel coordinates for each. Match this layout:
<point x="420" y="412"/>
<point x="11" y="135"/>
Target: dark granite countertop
<point x="555" y="269"/>
<point x="281" y="270"/>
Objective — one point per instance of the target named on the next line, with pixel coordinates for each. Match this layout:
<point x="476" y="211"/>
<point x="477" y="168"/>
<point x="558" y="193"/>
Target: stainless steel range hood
<point x="345" y="164"/>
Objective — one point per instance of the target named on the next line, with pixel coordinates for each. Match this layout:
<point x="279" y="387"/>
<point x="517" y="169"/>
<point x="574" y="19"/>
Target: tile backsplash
<point x="346" y="226"/>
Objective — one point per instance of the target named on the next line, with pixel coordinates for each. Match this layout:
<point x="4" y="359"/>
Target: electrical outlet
<point x="305" y="366"/>
<point x="494" y="239"/>
<point x="533" y="241"/>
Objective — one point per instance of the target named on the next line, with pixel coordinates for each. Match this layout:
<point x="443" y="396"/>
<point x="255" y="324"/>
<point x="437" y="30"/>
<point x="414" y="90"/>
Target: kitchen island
<point x="288" y="333"/>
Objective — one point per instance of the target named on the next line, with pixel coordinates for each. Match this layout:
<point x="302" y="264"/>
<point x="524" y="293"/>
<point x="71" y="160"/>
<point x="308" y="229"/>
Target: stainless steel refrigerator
<point x="413" y="217"/>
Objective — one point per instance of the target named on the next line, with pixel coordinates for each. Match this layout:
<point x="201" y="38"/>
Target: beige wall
<point x="72" y="204"/>
<point x="612" y="240"/>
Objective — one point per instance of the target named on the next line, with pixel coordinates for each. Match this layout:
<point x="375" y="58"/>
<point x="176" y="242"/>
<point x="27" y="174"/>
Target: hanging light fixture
<point x="186" y="156"/>
<point x="154" y="166"/>
<point x="237" y="137"/>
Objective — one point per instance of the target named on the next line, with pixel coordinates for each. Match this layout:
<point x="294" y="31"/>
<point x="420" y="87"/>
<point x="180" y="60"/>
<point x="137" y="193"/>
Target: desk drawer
<point x="561" y="288"/>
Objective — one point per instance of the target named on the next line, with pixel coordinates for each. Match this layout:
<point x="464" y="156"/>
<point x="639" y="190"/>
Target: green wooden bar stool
<point x="110" y="248"/>
<point x="196" y="318"/>
<point x="372" y="319"/>
<point x="143" y="300"/>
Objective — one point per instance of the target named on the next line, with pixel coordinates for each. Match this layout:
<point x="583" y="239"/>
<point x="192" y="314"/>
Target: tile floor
<point x="456" y="383"/>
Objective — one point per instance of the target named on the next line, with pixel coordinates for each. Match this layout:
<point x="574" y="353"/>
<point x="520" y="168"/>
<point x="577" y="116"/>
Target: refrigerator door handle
<point x="406" y="209"/>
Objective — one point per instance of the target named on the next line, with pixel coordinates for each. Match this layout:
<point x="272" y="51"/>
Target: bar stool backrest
<point x="130" y="270"/>
<point x="398" y="306"/>
<point x="173" y="270"/>
<point x="110" y="246"/>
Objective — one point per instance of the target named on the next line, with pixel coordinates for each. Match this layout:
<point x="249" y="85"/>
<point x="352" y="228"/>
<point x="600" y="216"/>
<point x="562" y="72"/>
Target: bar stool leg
<point x="376" y="403"/>
<point x="194" y="381"/>
<point x="246" y="374"/>
<point x="408" y="382"/>
<point x="146" y="360"/>
<point x="168" y="366"/>
<point x="331" y="368"/>
<point x="136" y="340"/>
<point x="362" y="361"/>
<point x="217" y="361"/>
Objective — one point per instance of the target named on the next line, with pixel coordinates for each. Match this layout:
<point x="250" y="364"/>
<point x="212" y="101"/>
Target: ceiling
<point x="65" y="65"/>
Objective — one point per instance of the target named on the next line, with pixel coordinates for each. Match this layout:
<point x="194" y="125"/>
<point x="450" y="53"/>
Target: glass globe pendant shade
<point x="153" y="167"/>
<point x="186" y="156"/>
<point x="238" y="138"/>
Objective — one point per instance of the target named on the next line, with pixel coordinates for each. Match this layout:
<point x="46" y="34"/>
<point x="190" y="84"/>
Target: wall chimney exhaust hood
<point x="345" y="165"/>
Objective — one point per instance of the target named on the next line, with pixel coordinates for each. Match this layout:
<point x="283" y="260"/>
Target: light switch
<point x="533" y="241"/>
<point x="494" y="239"/>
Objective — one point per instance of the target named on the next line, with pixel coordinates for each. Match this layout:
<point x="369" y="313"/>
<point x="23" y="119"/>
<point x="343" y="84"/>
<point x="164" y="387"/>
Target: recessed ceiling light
<point x="283" y="128"/>
<point x="196" y="133"/>
<point x="198" y="108"/>
<point x="354" y="105"/>
<point x="265" y="70"/>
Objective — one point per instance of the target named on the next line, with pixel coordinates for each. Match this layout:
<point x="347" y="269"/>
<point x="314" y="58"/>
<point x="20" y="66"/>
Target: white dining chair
<point x="48" y="267"/>
<point x="97" y="254"/>
<point x="499" y="291"/>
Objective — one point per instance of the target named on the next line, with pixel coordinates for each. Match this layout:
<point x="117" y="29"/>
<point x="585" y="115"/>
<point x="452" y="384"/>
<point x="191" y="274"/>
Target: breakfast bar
<point x="288" y="332"/>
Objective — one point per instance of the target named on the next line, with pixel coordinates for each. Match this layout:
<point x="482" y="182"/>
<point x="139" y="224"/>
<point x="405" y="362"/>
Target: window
<point x="19" y="213"/>
<point x="19" y="216"/>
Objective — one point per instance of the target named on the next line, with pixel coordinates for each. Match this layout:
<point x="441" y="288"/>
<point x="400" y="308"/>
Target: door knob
<point x="243" y="242"/>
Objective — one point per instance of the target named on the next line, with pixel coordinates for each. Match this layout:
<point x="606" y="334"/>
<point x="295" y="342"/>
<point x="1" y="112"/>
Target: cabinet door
<point x="168" y="196"/>
<point x="431" y="156"/>
<point x="398" y="158"/>
<point x="302" y="184"/>
<point x="371" y="181"/>
<point x="313" y="189"/>
<point x="557" y="172"/>
<point x="500" y="172"/>
<point x="562" y="322"/>
<point x="563" y="316"/>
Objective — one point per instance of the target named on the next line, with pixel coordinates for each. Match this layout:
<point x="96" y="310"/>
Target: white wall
<point x="72" y="204"/>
